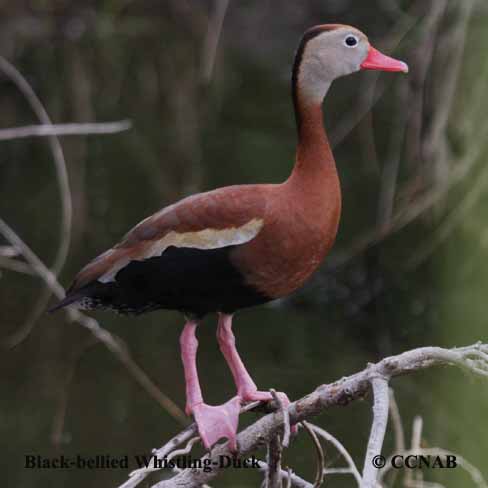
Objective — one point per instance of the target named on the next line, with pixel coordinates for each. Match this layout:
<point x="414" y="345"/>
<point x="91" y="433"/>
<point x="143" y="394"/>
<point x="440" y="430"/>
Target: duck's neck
<point x="314" y="158"/>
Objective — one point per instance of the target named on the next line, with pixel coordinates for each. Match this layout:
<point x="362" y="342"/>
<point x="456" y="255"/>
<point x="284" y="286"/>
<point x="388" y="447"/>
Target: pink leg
<point x="214" y="422"/>
<point x="246" y="388"/>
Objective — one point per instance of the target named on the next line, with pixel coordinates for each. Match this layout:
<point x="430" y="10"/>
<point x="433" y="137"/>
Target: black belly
<point x="193" y="281"/>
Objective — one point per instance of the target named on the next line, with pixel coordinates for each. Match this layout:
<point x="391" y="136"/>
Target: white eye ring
<point x="351" y="41"/>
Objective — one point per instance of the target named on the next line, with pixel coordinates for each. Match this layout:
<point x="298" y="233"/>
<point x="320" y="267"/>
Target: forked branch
<point x="374" y="377"/>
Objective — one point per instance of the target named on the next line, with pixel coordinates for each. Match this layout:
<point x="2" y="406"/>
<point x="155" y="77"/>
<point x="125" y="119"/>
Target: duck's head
<point x="329" y="51"/>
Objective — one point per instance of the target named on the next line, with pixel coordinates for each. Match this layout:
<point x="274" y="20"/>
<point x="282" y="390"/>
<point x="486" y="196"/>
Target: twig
<point x="396" y="421"/>
<point x="64" y="190"/>
<point x="418" y="424"/>
<point x="421" y="60"/>
<point x="288" y="479"/>
<point x="338" y="471"/>
<point x="272" y="477"/>
<point x="319" y="476"/>
<point x="446" y="94"/>
<point x="8" y="252"/>
<point x="273" y="458"/>
<point x="286" y="417"/>
<point x="389" y="178"/>
<point x="288" y="475"/>
<point x="181" y="452"/>
<point x="16" y="265"/>
<point x="212" y="37"/>
<point x="398" y="431"/>
<point x="352" y="469"/>
<point x="415" y="444"/>
<point x="71" y="129"/>
<point x="378" y="430"/>
<point x="140" y="474"/>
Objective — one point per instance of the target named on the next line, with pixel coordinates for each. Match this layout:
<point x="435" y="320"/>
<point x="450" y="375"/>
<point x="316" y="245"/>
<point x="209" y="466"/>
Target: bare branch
<point x="396" y="421"/>
<point x="319" y="477"/>
<point x="446" y="93"/>
<point x="112" y="342"/>
<point x="23" y="86"/>
<point x="286" y="417"/>
<point x="342" y="450"/>
<point x="411" y="477"/>
<point x="295" y="480"/>
<point x="71" y="129"/>
<point x="273" y="474"/>
<point x="212" y="37"/>
<point x="398" y="430"/>
<point x="138" y="475"/>
<point x="391" y="169"/>
<point x="378" y="430"/>
<point x="15" y="265"/>
<point x="8" y="252"/>
<point x="472" y="358"/>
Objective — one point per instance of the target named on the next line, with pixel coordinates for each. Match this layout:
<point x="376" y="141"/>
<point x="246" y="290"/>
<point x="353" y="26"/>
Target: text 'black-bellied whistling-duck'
<point x="238" y="246"/>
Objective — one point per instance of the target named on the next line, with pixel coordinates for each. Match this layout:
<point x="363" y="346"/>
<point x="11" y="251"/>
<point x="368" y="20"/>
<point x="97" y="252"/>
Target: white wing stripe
<point x="202" y="239"/>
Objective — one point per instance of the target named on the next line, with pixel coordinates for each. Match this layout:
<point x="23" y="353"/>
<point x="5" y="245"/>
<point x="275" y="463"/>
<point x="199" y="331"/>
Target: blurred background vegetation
<point x="409" y="267"/>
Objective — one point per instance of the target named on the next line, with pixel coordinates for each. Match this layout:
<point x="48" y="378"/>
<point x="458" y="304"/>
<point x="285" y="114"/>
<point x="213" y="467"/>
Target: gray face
<point x="328" y="56"/>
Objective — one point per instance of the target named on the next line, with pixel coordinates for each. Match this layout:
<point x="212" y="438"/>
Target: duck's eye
<point x="351" y="41"/>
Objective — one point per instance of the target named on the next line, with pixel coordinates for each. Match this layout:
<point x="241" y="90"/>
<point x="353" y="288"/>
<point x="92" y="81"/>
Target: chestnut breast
<point x="300" y="228"/>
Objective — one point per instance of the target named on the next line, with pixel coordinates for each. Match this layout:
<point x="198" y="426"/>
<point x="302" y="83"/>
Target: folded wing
<point x="176" y="245"/>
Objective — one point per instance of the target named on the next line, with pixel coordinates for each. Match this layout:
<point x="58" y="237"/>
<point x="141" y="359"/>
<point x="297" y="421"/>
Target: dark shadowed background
<point x="409" y="267"/>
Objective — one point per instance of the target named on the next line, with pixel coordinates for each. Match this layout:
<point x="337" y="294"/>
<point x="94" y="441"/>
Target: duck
<point x="238" y="246"/>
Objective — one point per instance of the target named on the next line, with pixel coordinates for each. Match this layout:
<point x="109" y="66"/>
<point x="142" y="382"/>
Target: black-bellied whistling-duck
<point x="238" y="246"/>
